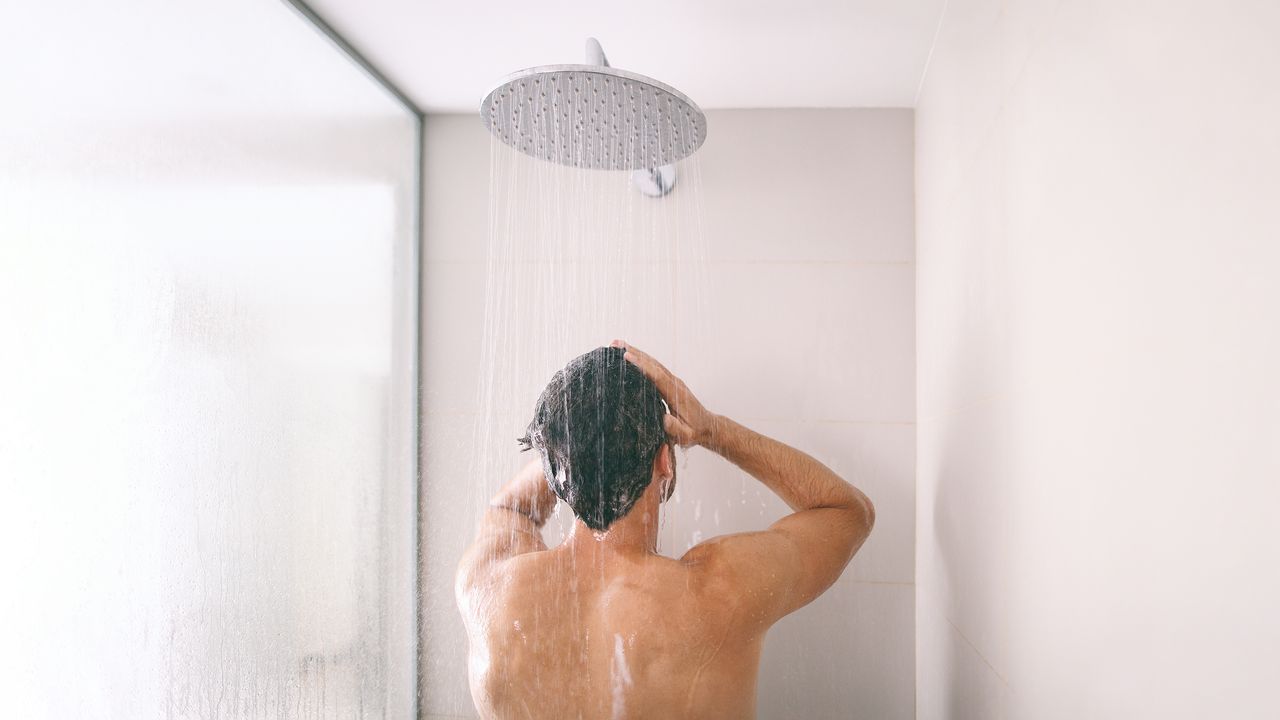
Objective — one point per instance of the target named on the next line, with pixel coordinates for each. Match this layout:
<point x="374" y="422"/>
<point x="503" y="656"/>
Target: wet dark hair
<point x="598" y="427"/>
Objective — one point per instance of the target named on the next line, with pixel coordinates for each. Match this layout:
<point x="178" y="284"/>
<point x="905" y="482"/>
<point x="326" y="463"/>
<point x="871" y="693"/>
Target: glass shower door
<point x="208" y="312"/>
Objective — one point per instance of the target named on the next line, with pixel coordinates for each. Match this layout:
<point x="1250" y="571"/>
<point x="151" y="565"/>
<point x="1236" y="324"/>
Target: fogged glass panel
<point x="207" y="311"/>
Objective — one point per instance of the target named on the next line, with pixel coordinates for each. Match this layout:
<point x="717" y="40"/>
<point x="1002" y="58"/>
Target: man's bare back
<point x="602" y="626"/>
<point x="627" y="637"/>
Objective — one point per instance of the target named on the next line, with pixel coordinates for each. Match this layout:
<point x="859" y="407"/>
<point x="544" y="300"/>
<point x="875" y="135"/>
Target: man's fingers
<point x="652" y="369"/>
<point x="669" y="386"/>
<point x="677" y="429"/>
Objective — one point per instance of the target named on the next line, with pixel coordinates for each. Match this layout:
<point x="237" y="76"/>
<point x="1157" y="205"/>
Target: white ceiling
<point x="722" y="53"/>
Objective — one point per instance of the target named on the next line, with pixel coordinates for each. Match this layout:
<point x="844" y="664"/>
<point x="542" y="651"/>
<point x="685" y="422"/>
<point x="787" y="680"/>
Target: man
<point x="602" y="626"/>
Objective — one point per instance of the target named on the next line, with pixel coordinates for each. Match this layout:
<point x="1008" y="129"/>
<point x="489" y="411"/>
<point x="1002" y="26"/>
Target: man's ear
<point x="663" y="463"/>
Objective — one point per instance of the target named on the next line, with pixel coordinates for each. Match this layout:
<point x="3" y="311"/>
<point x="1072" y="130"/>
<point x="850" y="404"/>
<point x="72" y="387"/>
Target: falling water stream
<point x="577" y="258"/>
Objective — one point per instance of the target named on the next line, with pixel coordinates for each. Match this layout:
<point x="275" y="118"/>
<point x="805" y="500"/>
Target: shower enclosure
<point x="209" y="229"/>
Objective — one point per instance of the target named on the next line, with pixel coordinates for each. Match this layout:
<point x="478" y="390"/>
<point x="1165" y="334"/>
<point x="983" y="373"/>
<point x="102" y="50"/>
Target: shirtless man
<point x="602" y="626"/>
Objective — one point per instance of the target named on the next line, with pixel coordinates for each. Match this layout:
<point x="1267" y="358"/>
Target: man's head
<point x="598" y="426"/>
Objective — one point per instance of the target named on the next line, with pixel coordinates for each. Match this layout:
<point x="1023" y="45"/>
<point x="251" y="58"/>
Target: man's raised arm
<point x="511" y="525"/>
<point x="781" y="569"/>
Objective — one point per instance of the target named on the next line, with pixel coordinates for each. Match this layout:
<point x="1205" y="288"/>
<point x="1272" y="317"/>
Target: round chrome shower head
<point x="594" y="116"/>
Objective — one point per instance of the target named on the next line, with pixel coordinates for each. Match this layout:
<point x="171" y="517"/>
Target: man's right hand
<point x="688" y="423"/>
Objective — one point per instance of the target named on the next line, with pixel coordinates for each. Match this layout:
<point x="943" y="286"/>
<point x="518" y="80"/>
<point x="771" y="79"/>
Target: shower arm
<point x="595" y="53"/>
<point x="654" y="182"/>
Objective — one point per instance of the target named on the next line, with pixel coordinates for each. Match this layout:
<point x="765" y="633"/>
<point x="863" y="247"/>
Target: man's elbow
<point x="862" y="517"/>
<point x="868" y="513"/>
<point x="860" y="510"/>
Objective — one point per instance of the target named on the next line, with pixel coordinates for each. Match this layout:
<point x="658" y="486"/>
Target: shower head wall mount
<point x="597" y="117"/>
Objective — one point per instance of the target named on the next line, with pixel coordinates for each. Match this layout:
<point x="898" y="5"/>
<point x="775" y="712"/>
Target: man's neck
<point x="635" y="533"/>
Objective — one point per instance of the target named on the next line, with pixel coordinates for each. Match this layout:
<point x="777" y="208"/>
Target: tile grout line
<point x="722" y="263"/>
<point x="899" y="583"/>
<point x="748" y="418"/>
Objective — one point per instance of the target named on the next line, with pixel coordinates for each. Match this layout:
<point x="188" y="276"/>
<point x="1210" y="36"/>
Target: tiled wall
<point x="808" y="335"/>
<point x="1098" y="189"/>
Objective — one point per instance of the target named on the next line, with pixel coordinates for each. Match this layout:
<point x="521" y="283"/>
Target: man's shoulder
<point x="714" y="558"/>
<point x="526" y="566"/>
<point x="493" y="578"/>
<point x="723" y="565"/>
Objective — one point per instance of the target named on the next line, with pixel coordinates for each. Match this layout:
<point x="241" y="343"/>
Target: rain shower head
<point x="594" y="116"/>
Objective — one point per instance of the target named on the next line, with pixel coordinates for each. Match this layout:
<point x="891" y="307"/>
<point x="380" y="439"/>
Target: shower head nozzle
<point x="594" y="116"/>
